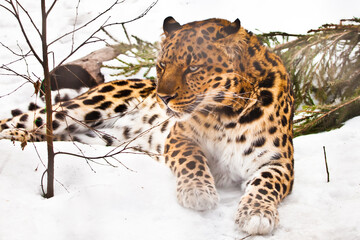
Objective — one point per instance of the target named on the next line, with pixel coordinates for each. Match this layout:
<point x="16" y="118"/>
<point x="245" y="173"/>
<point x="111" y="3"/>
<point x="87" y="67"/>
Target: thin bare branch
<point x="103" y="26"/>
<point x="73" y="34"/>
<point x="28" y="42"/>
<point x="30" y="18"/>
<point x="126" y="34"/>
<point x="109" y="35"/>
<point x="28" y="54"/>
<point x="12" y="51"/>
<point x="8" y="9"/>
<point x="16" y="73"/>
<point x="26" y="63"/>
<point x="87" y="23"/>
<point x="124" y="146"/>
<point x="51" y="7"/>
<point x="246" y="237"/>
<point x="14" y="90"/>
<point x="82" y="44"/>
<point x="134" y="19"/>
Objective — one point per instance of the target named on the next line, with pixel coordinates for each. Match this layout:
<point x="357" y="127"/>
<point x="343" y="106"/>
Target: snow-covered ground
<point x="136" y="200"/>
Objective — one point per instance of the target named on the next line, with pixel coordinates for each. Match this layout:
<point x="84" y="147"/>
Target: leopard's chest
<point x="234" y="155"/>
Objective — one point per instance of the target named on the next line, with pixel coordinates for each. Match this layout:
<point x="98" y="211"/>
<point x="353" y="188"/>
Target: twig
<point x="14" y="90"/>
<point x="113" y="153"/>
<point x="16" y="73"/>
<point x="109" y="35"/>
<point x="75" y="22"/>
<point x="283" y="34"/>
<point x="26" y="63"/>
<point x="42" y="185"/>
<point x="38" y="154"/>
<point x="103" y="26"/>
<point x="72" y="139"/>
<point x="28" y="54"/>
<point x="332" y="27"/>
<point x="41" y="182"/>
<point x="326" y="165"/>
<point x="245" y="237"/>
<point x="87" y="23"/>
<point x="127" y="168"/>
<point x="51" y="7"/>
<point x="12" y="51"/>
<point x="8" y="9"/>
<point x="82" y="44"/>
<point x="126" y="34"/>
<point x="30" y="18"/>
<point x="134" y="19"/>
<point x="17" y="16"/>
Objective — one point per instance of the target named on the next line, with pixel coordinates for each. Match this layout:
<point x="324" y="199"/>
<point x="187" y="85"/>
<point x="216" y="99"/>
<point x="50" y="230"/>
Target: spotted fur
<point x="97" y="114"/>
<point x="230" y="105"/>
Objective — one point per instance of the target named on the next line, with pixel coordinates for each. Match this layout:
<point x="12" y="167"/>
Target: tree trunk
<point x="49" y="129"/>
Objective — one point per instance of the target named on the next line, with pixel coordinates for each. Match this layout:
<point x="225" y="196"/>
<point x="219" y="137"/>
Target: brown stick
<point x="326" y="165"/>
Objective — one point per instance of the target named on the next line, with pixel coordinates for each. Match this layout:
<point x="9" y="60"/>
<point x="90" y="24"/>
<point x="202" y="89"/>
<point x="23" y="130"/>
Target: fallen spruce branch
<point x="333" y="118"/>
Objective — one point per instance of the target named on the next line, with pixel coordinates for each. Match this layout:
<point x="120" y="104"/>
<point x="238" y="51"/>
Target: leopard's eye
<point x="193" y="68"/>
<point x="162" y="65"/>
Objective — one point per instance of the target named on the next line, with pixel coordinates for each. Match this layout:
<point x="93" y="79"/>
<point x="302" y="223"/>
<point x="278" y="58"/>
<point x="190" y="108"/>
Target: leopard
<point x="218" y="114"/>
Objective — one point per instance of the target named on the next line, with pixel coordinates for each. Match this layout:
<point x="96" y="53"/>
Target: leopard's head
<point x="198" y="66"/>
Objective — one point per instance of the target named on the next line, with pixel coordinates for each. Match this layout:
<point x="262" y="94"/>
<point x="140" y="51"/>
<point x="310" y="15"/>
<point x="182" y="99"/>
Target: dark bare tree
<point x="20" y="14"/>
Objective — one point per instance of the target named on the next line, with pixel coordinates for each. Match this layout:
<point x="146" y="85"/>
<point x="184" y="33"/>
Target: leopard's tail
<point x="117" y="112"/>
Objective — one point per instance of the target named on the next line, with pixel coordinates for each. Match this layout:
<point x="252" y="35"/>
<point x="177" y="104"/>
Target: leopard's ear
<point x="232" y="27"/>
<point x="170" y="25"/>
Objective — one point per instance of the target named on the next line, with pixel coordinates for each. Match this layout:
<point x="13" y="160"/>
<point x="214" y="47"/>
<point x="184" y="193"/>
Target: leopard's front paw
<point x="257" y="218"/>
<point x="17" y="134"/>
<point x="197" y="195"/>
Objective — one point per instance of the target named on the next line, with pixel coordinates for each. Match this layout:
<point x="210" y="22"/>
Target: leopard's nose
<point x="166" y="98"/>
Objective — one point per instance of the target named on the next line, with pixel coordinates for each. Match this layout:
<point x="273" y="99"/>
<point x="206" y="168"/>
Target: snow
<point x="136" y="199"/>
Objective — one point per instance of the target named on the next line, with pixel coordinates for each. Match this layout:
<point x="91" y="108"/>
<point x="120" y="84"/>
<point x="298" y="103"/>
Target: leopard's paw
<point x="257" y="219"/>
<point x="17" y="134"/>
<point x="196" y="195"/>
<point x="20" y="135"/>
